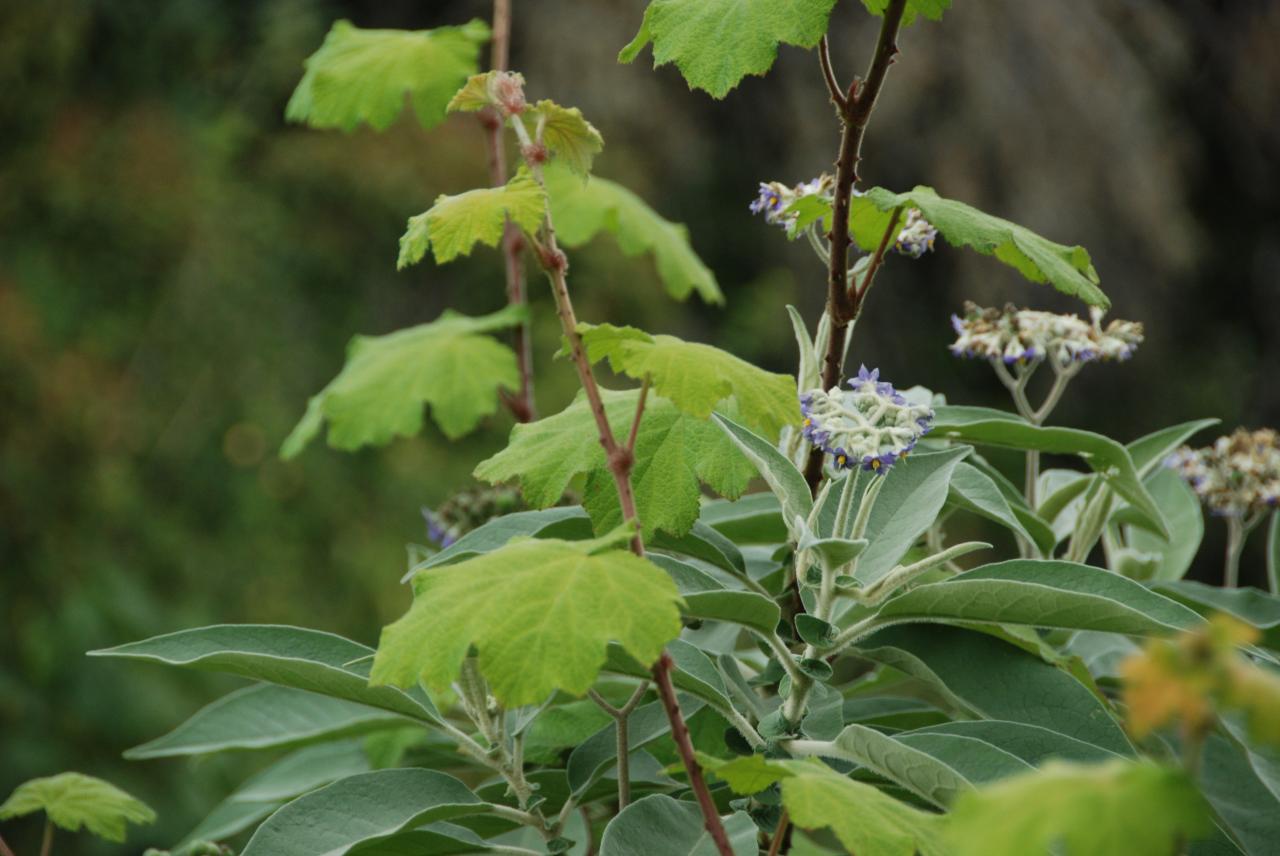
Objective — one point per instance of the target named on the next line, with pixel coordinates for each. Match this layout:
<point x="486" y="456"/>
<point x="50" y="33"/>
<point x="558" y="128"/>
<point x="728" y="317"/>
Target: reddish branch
<point x="844" y="301"/>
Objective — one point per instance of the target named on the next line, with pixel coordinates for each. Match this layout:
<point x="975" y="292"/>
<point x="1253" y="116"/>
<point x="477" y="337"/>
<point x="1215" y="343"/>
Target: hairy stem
<point x="779" y="834"/>
<point x="46" y="844"/>
<point x="621" y="716"/>
<point x="1236" y="533"/>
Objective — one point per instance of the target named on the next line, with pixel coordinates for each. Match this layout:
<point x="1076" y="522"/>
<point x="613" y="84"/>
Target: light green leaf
<point x="660" y="824"/>
<point x="786" y="482"/>
<point x="455" y="224"/>
<point x="674" y="452"/>
<point x="74" y="800"/>
<point x="363" y="76"/>
<point x="289" y="656"/>
<point x="1120" y="808"/>
<point x="696" y="377"/>
<point x="1180" y="508"/>
<point x="361" y="809"/>
<point x="867" y="821"/>
<point x="1068" y="269"/>
<point x="583" y="210"/>
<point x="982" y="425"/>
<point x="1254" y="607"/>
<point x="992" y="679"/>
<point x="1042" y="593"/>
<point x="716" y="43"/>
<point x="975" y="491"/>
<point x="539" y="613"/>
<point x="568" y="135"/>
<point x="265" y="716"/>
<point x="380" y="392"/>
<point x="931" y="9"/>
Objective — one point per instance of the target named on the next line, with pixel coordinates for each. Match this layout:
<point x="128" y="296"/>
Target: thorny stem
<point x="620" y="460"/>
<point x="521" y="404"/>
<point x="620" y="716"/>
<point x="780" y="834"/>
<point x="635" y="422"/>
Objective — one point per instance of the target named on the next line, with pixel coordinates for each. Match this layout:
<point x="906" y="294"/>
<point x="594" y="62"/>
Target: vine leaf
<point x="540" y="614"/>
<point x="568" y="135"/>
<point x="931" y="9"/>
<point x="455" y="224"/>
<point x="583" y="210"/>
<point x="716" y="43"/>
<point x="362" y="76"/>
<point x="1086" y="810"/>
<point x="74" y="800"/>
<point x="379" y="394"/>
<point x="674" y="452"/>
<point x="865" y="819"/>
<point x="1068" y="269"/>
<point x="695" y="377"/>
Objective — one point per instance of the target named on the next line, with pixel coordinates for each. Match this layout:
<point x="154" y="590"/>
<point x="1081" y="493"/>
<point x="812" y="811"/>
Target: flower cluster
<point x="1237" y="476"/>
<point x="775" y="198"/>
<point x="871" y="424"/>
<point x="917" y="235"/>
<point x="467" y="510"/>
<point x="1024" y="335"/>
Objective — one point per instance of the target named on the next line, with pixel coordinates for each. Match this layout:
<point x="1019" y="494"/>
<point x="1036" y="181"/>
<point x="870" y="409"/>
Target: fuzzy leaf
<point x="716" y="43"/>
<point x="662" y="824"/>
<point x="867" y="821"/>
<point x="455" y="224"/>
<point x="380" y="392"/>
<point x="74" y="800"/>
<point x="568" y="135"/>
<point x="539" y="612"/>
<point x="583" y="210"/>
<point x="696" y="377"/>
<point x="674" y="452"/>
<point x="1119" y="808"/>
<point x="362" y="76"/>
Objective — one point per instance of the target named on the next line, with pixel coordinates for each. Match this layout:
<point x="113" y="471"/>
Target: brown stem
<point x="829" y="75"/>
<point x="780" y="834"/>
<point x="46" y="846"/>
<point x="680" y="734"/>
<point x="635" y="423"/>
<point x="520" y="403"/>
<point x="4" y="848"/>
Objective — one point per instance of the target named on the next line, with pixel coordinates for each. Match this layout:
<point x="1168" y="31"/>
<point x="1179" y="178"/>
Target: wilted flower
<point x="775" y="198"/>
<point x="1016" y="335"/>
<point x="917" y="235"/>
<point x="1237" y="476"/>
<point x="467" y="510"/>
<point x="871" y="424"/>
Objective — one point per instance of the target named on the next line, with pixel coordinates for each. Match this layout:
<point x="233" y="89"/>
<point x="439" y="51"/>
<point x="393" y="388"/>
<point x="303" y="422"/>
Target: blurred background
<point x="180" y="269"/>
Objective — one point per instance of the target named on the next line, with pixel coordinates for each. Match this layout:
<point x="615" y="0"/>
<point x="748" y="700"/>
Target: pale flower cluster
<point x="870" y="424"/>
<point x="1016" y="335"/>
<point x="775" y="198"/>
<point x="1239" y="475"/>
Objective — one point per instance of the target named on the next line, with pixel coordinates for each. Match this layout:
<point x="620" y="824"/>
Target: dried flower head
<point x="1016" y="335"/>
<point x="775" y="198"/>
<point x="917" y="235"/>
<point x="1239" y="475"/>
<point x="870" y="424"/>
<point x="468" y="510"/>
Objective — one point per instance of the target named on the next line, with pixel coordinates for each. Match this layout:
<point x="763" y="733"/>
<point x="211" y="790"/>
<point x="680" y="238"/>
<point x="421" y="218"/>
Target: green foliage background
<point x="180" y="270"/>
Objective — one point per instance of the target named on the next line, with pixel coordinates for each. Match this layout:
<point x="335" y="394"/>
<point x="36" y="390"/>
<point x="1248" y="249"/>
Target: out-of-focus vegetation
<point x="179" y="270"/>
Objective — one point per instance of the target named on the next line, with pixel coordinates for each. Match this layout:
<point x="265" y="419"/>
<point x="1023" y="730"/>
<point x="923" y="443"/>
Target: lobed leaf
<point x="567" y="134"/>
<point x="540" y="614"/>
<point x="363" y="76"/>
<point x="380" y="393"/>
<point x="453" y="225"/>
<point x="716" y="43"/>
<point x="582" y="210"/>
<point x="74" y="800"/>
<point x="931" y="9"/>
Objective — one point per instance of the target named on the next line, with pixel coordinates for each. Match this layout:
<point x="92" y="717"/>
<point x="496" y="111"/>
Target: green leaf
<point x="992" y="679"/>
<point x="455" y="224"/>
<point x="539" y="613"/>
<point x="737" y="607"/>
<point x="1068" y="269"/>
<point x="1120" y="808"/>
<point x="786" y="482"/>
<point x="289" y="656"/>
<point x="716" y="43"/>
<point x="1030" y="743"/>
<point x="1240" y="798"/>
<point x="583" y="210"/>
<point x="363" y="76"/>
<point x="674" y="452"/>
<point x="568" y="135"/>
<point x="1254" y="607"/>
<point x="703" y="543"/>
<point x="753" y="519"/>
<point x="694" y="672"/>
<point x="660" y="824"/>
<point x="696" y="377"/>
<point x="931" y="9"/>
<point x="74" y="800"/>
<point x="361" y="809"/>
<point x="1180" y="508"/>
<point x="303" y="771"/>
<point x="919" y="772"/>
<point x="228" y="818"/>
<point x="975" y="491"/>
<point x="1149" y="452"/>
<point x="380" y="392"/>
<point x="1273" y="553"/>
<point x="265" y="716"/>
<point x="867" y="821"/>
<point x="985" y="426"/>
<point x="1042" y="593"/>
<point x="598" y="753"/>
<point x="568" y="522"/>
